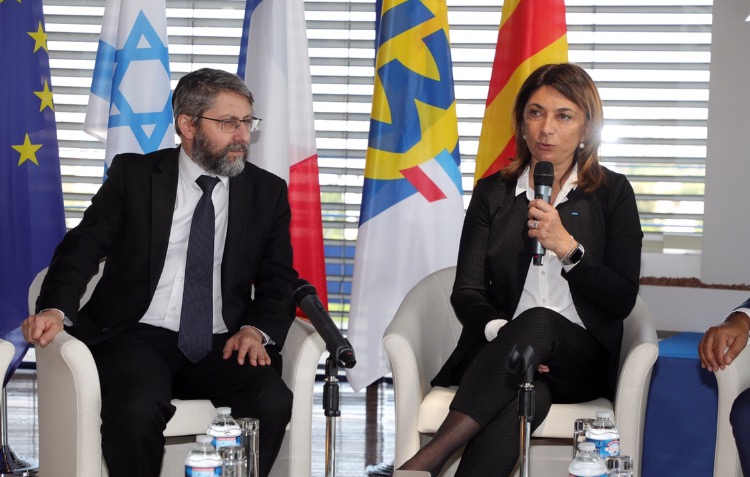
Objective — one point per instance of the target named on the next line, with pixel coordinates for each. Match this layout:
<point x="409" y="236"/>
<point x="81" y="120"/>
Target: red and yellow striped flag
<point x="532" y="33"/>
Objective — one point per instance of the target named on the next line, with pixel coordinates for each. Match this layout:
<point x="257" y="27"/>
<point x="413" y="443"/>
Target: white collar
<point x="522" y="184"/>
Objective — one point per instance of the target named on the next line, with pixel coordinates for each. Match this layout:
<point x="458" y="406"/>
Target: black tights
<point x="484" y="413"/>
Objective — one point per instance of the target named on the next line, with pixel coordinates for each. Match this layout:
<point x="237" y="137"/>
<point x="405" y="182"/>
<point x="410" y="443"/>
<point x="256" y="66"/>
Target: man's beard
<point x="219" y="163"/>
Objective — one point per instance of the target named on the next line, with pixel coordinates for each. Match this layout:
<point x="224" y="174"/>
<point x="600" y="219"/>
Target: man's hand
<point x="732" y="333"/>
<point x="43" y="327"/>
<point x="248" y="342"/>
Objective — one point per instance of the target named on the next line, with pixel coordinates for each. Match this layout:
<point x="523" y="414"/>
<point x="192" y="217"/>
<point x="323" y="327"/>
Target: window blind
<point x="650" y="59"/>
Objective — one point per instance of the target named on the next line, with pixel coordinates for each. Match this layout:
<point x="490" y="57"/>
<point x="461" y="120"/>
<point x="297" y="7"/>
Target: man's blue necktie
<point x="196" y="321"/>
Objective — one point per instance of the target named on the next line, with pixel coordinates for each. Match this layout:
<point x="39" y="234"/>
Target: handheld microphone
<point x="544" y="176"/>
<point x="306" y="297"/>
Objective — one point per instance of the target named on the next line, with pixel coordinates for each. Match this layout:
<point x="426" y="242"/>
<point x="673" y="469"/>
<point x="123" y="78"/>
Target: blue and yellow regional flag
<point x="32" y="219"/>
<point x="412" y="202"/>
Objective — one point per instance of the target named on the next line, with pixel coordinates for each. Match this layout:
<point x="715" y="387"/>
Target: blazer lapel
<point x="240" y="196"/>
<point x="163" y="197"/>
<point x="508" y="237"/>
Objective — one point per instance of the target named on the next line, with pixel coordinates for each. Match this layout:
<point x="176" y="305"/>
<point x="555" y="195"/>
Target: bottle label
<point x="606" y="447"/>
<point x="225" y="441"/>
<point x="573" y="475"/>
<point x="191" y="471"/>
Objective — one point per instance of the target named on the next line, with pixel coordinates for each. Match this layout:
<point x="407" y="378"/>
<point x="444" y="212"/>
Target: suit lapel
<point x="240" y="195"/>
<point x="507" y="235"/>
<point x="164" y="195"/>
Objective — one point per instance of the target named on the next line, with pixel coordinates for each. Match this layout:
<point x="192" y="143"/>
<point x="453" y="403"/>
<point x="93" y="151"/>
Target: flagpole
<point x="12" y="464"/>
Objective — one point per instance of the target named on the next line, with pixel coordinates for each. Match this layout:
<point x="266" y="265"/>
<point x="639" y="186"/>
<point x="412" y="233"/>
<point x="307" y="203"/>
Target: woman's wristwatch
<point x="575" y="256"/>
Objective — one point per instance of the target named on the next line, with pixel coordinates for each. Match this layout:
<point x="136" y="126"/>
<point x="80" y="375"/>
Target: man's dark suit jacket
<point x="495" y="253"/>
<point x="128" y="223"/>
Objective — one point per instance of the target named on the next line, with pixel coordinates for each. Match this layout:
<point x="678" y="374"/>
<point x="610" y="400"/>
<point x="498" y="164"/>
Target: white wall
<point x="725" y="256"/>
<point x="726" y="235"/>
<point x="684" y="309"/>
<point x="689" y="309"/>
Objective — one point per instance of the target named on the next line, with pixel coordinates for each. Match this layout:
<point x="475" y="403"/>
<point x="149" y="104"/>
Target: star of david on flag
<point x="412" y="201"/>
<point x="130" y="105"/>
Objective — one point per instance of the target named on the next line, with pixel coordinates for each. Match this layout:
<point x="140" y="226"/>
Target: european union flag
<point x="32" y="219"/>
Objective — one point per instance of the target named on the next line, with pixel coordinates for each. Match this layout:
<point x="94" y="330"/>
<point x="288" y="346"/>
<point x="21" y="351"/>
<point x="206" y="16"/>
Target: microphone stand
<point x="521" y="364"/>
<point x="332" y="411"/>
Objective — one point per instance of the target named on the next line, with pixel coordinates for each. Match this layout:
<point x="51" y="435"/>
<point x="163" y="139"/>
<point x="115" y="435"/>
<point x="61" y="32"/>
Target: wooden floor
<point x="364" y="432"/>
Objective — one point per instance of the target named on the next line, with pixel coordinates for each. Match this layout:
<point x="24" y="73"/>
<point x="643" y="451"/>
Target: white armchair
<point x="731" y="381"/>
<point x="70" y="405"/>
<point x="425" y="331"/>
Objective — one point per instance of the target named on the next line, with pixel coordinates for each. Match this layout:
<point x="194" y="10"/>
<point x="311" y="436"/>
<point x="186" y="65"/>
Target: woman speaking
<point x="570" y="307"/>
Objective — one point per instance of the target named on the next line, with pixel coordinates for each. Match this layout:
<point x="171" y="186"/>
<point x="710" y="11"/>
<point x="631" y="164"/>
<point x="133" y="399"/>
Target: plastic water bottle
<point x="587" y="462"/>
<point x="604" y="435"/>
<point x="203" y="460"/>
<point x="224" y="429"/>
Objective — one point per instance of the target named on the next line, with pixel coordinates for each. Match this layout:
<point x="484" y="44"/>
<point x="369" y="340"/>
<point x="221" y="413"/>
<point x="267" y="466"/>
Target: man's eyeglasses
<point x="232" y="125"/>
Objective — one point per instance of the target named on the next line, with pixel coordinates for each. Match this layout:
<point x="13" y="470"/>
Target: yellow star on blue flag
<point x="27" y="150"/>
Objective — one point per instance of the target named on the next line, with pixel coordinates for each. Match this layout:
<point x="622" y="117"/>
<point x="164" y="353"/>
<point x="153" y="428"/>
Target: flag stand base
<point x="11" y="464"/>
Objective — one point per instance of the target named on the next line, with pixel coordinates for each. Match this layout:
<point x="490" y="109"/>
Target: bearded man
<point x="194" y="300"/>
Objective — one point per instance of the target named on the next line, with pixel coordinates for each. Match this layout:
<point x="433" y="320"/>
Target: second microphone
<point x="306" y="297"/>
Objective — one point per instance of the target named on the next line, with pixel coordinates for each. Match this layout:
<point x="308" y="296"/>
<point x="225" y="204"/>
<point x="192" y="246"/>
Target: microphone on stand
<point x="520" y="364"/>
<point x="340" y="354"/>
<point x="544" y="176"/>
<point x="306" y="297"/>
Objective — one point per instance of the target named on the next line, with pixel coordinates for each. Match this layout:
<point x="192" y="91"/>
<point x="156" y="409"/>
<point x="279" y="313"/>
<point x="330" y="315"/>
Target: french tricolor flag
<point x="275" y="64"/>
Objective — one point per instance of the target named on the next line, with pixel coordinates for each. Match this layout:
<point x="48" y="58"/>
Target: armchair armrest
<point x="418" y="341"/>
<point x="639" y="351"/>
<point x="302" y="351"/>
<point x="69" y="408"/>
<point x="407" y="398"/>
<point x="7" y="351"/>
<point x="731" y="381"/>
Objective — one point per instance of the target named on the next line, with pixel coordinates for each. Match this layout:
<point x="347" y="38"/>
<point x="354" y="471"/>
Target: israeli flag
<point x="130" y="104"/>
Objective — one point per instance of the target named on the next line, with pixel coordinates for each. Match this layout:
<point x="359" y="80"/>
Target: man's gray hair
<point x="196" y="92"/>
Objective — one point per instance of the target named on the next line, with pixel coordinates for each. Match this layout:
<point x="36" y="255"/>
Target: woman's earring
<point x="581" y="145"/>
<point x="524" y="137"/>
